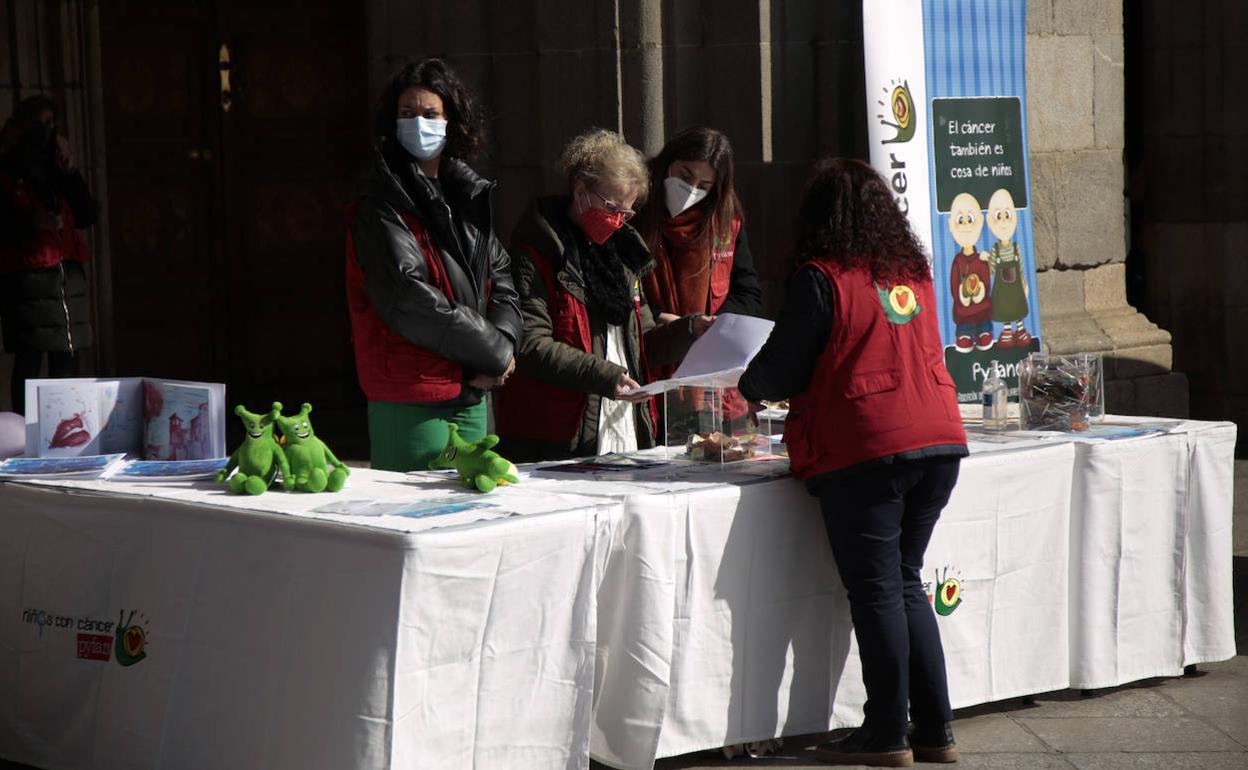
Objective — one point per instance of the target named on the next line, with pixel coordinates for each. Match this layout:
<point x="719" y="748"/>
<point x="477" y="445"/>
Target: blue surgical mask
<point x="422" y="137"/>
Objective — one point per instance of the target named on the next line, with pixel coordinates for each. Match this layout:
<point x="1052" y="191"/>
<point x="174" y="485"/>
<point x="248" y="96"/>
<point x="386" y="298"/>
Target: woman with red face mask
<point x="589" y="338"/>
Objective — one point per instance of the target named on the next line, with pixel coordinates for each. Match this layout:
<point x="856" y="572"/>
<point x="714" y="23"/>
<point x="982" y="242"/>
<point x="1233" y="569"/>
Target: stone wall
<point x="782" y="79"/>
<point x="785" y="81"/>
<point x="1075" y="90"/>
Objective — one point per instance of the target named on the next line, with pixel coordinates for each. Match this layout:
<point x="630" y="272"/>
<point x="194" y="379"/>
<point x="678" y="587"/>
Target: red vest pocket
<point x="422" y="375"/>
<point x="870" y="383"/>
<point x="947" y="390"/>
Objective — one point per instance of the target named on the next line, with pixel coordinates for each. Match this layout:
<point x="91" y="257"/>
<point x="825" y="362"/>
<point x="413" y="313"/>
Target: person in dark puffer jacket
<point x="875" y="433"/>
<point x="435" y="318"/>
<point x="44" y="205"/>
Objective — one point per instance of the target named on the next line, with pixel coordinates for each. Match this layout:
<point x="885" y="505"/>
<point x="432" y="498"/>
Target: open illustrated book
<point x="719" y="357"/>
<point x="146" y="419"/>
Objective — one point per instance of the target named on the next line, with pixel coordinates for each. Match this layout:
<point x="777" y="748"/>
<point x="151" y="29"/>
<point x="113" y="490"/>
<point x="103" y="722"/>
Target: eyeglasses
<point x="613" y="207"/>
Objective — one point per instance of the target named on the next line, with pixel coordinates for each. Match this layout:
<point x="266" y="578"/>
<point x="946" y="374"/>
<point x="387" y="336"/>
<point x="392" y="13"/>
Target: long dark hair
<point x="848" y="217"/>
<point x="465" y="130"/>
<point x="27" y="119"/>
<point x="721" y="203"/>
<point x="28" y="147"/>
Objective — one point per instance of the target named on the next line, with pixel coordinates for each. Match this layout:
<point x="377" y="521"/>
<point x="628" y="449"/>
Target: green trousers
<point x="405" y="437"/>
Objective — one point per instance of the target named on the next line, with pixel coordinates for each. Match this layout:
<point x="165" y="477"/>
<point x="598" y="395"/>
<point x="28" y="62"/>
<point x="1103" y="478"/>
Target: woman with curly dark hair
<point x="875" y="432"/>
<point x="434" y="314"/>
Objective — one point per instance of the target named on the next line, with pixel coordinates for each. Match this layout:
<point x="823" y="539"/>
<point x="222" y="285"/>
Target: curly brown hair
<point x="848" y="217"/>
<point x="599" y="154"/>
<point x="465" y="130"/>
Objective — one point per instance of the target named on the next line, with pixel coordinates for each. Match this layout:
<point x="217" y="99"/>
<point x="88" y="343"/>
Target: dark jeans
<point x="879" y="522"/>
<point x="26" y="366"/>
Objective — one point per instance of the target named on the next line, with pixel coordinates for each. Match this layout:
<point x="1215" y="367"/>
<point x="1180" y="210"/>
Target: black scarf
<point x="606" y="284"/>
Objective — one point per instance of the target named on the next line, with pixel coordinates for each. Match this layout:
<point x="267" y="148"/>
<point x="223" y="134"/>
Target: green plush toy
<point x="477" y="465"/>
<point x="309" y="456"/>
<point x="259" y="457"/>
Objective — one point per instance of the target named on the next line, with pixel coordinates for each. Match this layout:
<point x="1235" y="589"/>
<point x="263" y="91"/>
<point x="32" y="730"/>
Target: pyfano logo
<point x="901" y="105"/>
<point x="904" y="120"/>
<point x="131" y="639"/>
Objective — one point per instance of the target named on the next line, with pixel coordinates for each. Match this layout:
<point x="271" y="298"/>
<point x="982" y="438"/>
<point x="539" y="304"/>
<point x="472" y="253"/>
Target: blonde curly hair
<point x="602" y="155"/>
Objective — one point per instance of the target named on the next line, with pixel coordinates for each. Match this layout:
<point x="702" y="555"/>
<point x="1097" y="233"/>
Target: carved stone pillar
<point x="1075" y="97"/>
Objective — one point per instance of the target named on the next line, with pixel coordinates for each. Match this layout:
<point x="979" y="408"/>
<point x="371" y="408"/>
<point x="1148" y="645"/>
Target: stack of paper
<point x="719" y="357"/>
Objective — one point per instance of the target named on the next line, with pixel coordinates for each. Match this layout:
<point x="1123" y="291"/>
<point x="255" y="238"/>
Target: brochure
<point x="415" y="510"/>
<point x="719" y="357"/>
<point x="167" y="470"/>
<point x="81" y="466"/>
<point x="152" y="419"/>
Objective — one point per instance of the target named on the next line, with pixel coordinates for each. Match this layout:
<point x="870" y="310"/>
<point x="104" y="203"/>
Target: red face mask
<point x="600" y="224"/>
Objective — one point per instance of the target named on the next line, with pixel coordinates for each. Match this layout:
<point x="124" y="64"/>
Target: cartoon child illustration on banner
<point x="969" y="277"/>
<point x="1009" y="284"/>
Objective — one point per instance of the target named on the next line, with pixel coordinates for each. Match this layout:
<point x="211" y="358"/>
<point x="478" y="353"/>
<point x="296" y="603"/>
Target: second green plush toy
<point x="478" y="467"/>
<point x="309" y="457"/>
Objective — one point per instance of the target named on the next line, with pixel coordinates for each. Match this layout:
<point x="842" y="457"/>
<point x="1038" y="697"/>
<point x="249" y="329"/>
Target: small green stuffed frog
<point x="479" y="467"/>
<point x="309" y="456"/>
<point x="259" y="457"/>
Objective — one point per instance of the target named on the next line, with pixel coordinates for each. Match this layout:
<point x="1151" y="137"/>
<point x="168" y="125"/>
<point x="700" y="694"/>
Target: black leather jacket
<point x="481" y="327"/>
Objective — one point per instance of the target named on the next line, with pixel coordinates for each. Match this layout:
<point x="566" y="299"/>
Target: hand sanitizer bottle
<point x="996" y="397"/>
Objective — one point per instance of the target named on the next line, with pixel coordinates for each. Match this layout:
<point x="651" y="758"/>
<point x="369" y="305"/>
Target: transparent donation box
<point x="718" y="425"/>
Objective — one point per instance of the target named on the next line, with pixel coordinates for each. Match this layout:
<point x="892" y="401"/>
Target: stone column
<point x="641" y="74"/>
<point x="1075" y="98"/>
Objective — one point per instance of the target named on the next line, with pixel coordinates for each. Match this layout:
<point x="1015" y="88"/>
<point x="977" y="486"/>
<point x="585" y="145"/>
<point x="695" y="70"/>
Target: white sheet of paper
<point x="719" y="357"/>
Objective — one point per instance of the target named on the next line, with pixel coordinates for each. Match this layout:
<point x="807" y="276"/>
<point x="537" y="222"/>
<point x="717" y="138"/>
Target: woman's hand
<point x="666" y="318"/>
<point x="700" y="324"/>
<point x="624" y="388"/>
<point x="64" y="154"/>
<point x="486" y="382"/>
<point x="46" y="220"/>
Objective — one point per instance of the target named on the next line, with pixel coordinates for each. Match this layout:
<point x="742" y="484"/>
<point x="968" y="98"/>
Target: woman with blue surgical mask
<point x="435" y="318"/>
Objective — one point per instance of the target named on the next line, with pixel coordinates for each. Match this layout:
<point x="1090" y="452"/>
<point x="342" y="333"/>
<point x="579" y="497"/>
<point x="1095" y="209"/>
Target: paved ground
<point x="1188" y="722"/>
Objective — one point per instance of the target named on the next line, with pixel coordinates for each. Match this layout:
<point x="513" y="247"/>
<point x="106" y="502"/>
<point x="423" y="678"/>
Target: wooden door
<point x="229" y="246"/>
<point x="164" y="188"/>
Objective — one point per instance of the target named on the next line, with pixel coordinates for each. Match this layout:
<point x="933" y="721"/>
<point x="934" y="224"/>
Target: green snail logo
<point x="899" y="303"/>
<point x="948" y="593"/>
<point x="131" y="644"/>
<point x="901" y="106"/>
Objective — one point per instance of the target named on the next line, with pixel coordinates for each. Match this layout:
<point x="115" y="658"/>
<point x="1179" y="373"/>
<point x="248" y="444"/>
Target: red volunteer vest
<point x="391" y="368"/>
<point x="48" y="248"/>
<point x="529" y="408"/>
<point x="880" y="387"/>
<point x="721" y="268"/>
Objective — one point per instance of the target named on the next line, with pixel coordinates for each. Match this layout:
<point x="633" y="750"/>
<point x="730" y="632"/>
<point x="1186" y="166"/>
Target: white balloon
<point x="12" y="434"/>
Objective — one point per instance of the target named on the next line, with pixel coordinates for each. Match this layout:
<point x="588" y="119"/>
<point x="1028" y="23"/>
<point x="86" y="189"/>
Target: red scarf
<point x="681" y="280"/>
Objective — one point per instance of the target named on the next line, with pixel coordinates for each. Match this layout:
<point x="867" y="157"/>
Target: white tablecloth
<point x="1150" y="552"/>
<point x="631" y="615"/>
<point x="296" y="641"/>
<point x="1082" y="563"/>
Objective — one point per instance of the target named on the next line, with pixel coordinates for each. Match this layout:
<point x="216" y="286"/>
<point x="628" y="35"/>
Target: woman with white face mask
<point x="695" y="230"/>
<point x="434" y="314"/>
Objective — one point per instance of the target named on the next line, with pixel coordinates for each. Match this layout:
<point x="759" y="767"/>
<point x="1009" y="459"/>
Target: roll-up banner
<point x="947" y="124"/>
